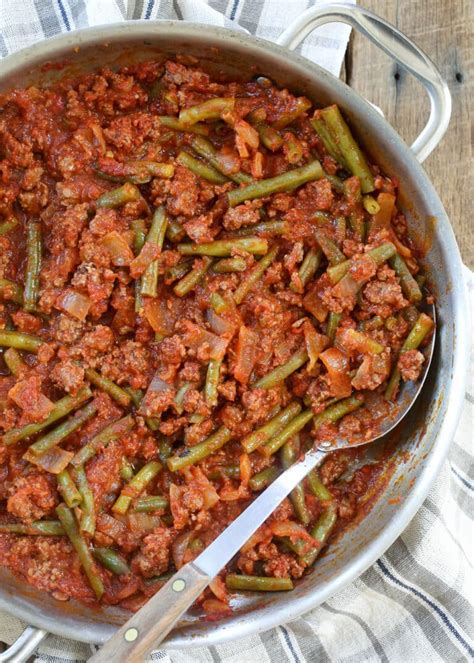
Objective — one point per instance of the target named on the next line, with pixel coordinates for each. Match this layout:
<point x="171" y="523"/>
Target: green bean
<point x="268" y="430"/>
<point x="201" y="169"/>
<point x="337" y="272"/>
<point x="348" y="147"/>
<point x="230" y="471"/>
<point x="410" y="287"/>
<point x="165" y="449"/>
<point x="19" y="341"/>
<point x="365" y="343"/>
<point x="61" y="408"/>
<point x="287" y="117"/>
<point x="14" y="362"/>
<point x="33" y="265"/>
<point x="136" y="486"/>
<point x="127" y="193"/>
<point x="61" y="432"/>
<point x="332" y="252"/>
<point x="164" y="577"/>
<point x="333" y="322"/>
<point x="37" y="528"/>
<point x="335" y="412"/>
<point x="136" y="395"/>
<point x="224" y="247"/>
<point x="138" y="227"/>
<point x="190" y="281"/>
<point x="211" y="109"/>
<point x="254" y="275"/>
<point x="329" y="143"/>
<point x="309" y="267"/>
<point x="69" y="523"/>
<point x="263" y="228"/>
<point x="229" y="265"/>
<point x="370" y="204"/>
<point x="156" y="235"/>
<point x="380" y="254"/>
<point x="373" y="323"/>
<point x="179" y="398"/>
<point x="269" y="136"/>
<point x="358" y="225"/>
<point x="421" y="280"/>
<point x="263" y="478"/>
<point x="111" y="560"/>
<point x="177" y="125"/>
<point x="293" y="427"/>
<point x="87" y="522"/>
<point x="257" y="583"/>
<point x="212" y="381"/>
<point x="151" y="503"/>
<point x="126" y="470"/>
<point x="205" y="149"/>
<point x="109" y="387"/>
<point x="321" y="532"/>
<point x="280" y="373"/>
<point x="284" y="182"/>
<point x="178" y="271"/>
<point x="11" y="291"/>
<point x="174" y="232"/>
<point x="317" y="487"/>
<point x="192" y="455"/>
<point x="218" y="303"/>
<point x="8" y="225"/>
<point x="111" y="432"/>
<point x="289" y="455"/>
<point x="417" y="334"/>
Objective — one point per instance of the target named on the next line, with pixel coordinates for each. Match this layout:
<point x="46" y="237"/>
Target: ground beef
<point x="410" y="363"/>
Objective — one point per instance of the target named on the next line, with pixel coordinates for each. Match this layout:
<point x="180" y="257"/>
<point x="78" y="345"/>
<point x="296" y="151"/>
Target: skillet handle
<point x="24" y="646"/>
<point x="395" y="44"/>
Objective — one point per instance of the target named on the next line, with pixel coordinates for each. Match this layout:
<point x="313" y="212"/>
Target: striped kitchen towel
<point x="415" y="604"/>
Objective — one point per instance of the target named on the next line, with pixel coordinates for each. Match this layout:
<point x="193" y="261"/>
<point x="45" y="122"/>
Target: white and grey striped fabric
<point x="415" y="604"/>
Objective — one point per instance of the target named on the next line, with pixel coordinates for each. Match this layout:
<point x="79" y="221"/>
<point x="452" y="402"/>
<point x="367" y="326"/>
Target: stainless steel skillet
<point x="424" y="439"/>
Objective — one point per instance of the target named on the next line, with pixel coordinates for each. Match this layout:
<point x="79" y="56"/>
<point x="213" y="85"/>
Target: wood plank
<point x="444" y="31"/>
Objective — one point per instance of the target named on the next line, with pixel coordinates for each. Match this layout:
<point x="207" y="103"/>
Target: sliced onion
<point x="156" y="386"/>
<point x="294" y="531"/>
<point x="54" y="461"/>
<point x="347" y="288"/>
<point x="120" y="252"/>
<point x="143" y="522"/>
<point x="337" y="366"/>
<point x="247" y="133"/>
<point x="315" y="343"/>
<point x="158" y="315"/>
<point x="147" y="255"/>
<point x="313" y="303"/>
<point x="218" y="588"/>
<point x="196" y="338"/>
<point x="110" y="526"/>
<point x="246" y="355"/>
<point x="74" y="303"/>
<point x="218" y="324"/>
<point x="179" y="548"/>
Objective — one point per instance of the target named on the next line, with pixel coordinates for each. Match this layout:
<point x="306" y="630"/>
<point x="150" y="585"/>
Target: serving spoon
<point x="148" y="627"/>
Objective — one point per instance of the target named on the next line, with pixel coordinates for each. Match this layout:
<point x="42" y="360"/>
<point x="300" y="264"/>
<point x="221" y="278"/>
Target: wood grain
<point x="444" y="31"/>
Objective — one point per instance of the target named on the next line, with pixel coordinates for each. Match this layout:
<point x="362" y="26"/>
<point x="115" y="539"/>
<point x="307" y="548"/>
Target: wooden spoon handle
<point x="152" y="623"/>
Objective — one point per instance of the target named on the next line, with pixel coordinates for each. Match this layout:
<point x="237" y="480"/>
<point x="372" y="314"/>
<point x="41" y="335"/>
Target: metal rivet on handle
<point x="131" y="634"/>
<point x="178" y="585"/>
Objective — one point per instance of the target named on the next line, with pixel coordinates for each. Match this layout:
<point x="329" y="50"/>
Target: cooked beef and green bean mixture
<point x="198" y="281"/>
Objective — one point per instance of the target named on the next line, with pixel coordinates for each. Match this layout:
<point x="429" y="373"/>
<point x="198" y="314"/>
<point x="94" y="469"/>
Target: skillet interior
<point x="422" y="440"/>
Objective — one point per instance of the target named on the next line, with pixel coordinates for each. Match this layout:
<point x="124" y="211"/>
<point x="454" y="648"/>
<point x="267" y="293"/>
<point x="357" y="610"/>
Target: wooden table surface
<point x="443" y="29"/>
